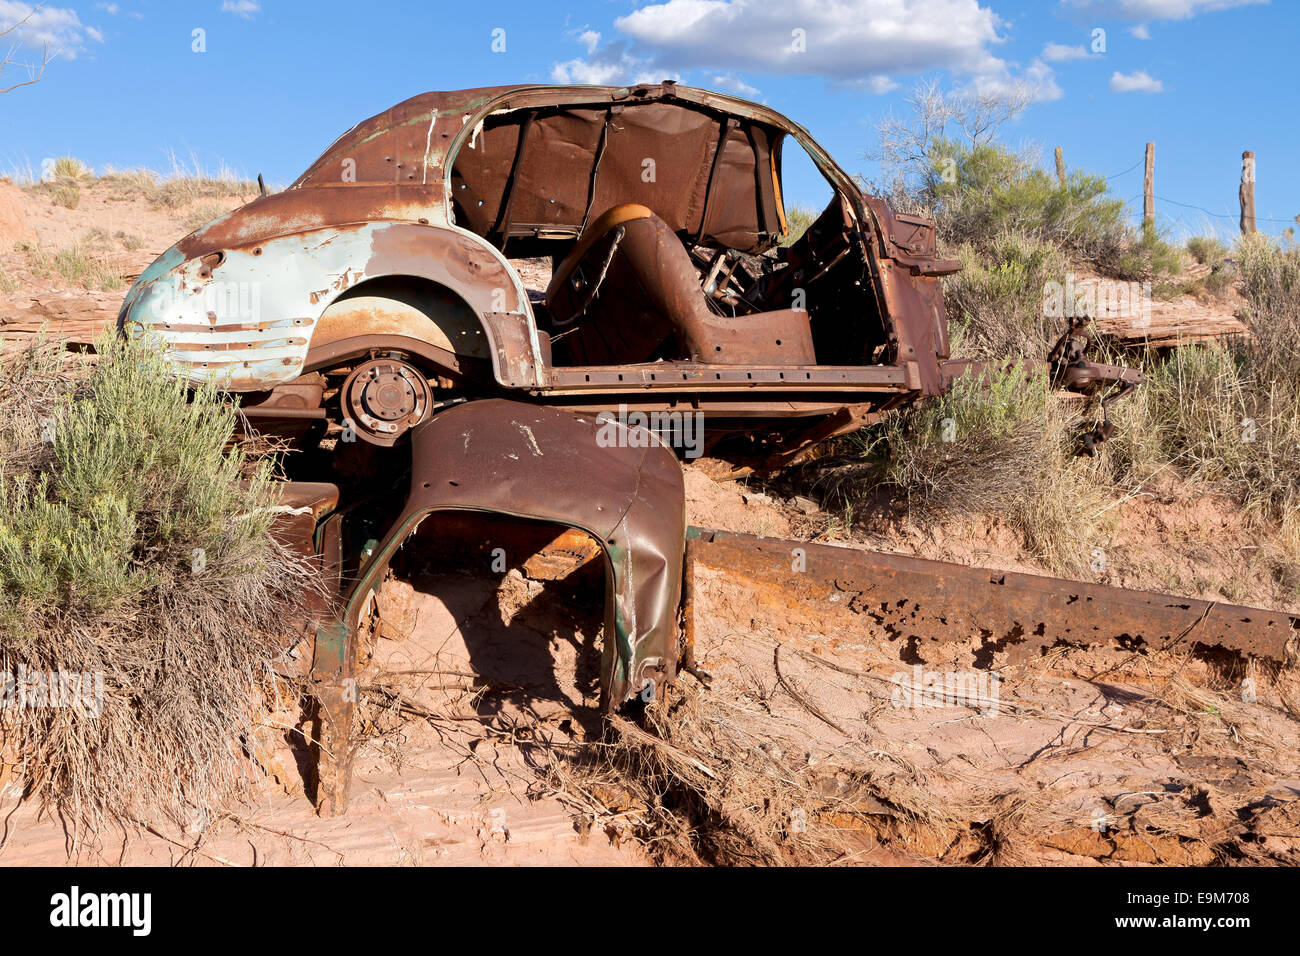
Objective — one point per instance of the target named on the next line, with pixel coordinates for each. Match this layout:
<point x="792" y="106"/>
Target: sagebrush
<point x="135" y="546"/>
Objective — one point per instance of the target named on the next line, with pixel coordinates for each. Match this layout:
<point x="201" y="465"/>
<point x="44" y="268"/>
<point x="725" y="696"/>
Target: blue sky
<point x="278" y="80"/>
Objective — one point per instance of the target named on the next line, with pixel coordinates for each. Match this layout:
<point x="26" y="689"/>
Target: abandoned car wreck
<point x="374" y="314"/>
<point x="377" y="287"/>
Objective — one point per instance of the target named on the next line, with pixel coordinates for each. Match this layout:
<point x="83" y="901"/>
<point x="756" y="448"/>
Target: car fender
<point x="245" y="317"/>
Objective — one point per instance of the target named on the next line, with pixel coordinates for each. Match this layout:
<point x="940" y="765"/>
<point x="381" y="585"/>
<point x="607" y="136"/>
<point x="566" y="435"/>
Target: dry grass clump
<point x="1270" y="284"/>
<point x="65" y="195"/>
<point x="32" y="383"/>
<point x="996" y="300"/>
<point x="69" y="167"/>
<point x="139" y="571"/>
<point x="699" y="786"/>
<point x="1227" y="428"/>
<point x="88" y="263"/>
<point x="708" y="778"/>
<point x="1225" y="417"/>
<point x="203" y="214"/>
<point x="999" y="445"/>
<point x="972" y="450"/>
<point x="178" y="187"/>
<point x="90" y="266"/>
<point x="63" y="181"/>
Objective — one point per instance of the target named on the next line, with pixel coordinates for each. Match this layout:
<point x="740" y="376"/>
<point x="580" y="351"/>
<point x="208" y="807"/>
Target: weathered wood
<point x="1129" y="312"/>
<point x="1060" y="167"/>
<point x="1149" y="186"/>
<point x="1247" y="192"/>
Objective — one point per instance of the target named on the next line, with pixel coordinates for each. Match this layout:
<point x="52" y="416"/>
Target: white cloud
<point x="734" y="84"/>
<point x="1063" y="52"/>
<point x="1140" y="31"/>
<point x="112" y="9"/>
<point x="609" y="65"/>
<point x="1139" y="82"/>
<point x="241" y="8"/>
<point x="36" y="27"/>
<point x="859" y="42"/>
<point x="1157" y="9"/>
<point x="590" y="39"/>
<point x="1038" y="80"/>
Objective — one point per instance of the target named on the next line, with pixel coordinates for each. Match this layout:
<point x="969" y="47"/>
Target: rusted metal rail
<point x="919" y="601"/>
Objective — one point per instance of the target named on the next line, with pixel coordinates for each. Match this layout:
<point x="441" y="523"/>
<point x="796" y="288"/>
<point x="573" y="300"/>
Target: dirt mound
<point x="13" y="216"/>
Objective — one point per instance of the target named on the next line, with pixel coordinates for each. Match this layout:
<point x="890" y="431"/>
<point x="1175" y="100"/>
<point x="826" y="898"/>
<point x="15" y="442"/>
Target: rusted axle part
<point x="919" y="601"/>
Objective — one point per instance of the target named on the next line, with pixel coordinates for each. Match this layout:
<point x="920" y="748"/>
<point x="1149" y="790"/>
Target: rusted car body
<point x="378" y="285"/>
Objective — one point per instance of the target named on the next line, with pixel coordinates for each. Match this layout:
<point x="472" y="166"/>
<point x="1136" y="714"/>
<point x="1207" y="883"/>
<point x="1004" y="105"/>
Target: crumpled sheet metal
<point x="543" y="464"/>
<point x="918" y="601"/>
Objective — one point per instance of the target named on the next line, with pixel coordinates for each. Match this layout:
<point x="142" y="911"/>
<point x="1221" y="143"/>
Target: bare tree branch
<point x="35" y="71"/>
<point x="909" y="147"/>
<point x="981" y="113"/>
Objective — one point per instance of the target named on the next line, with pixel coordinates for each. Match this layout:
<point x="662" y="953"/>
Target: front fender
<point x="243" y="318"/>
<point x="620" y="485"/>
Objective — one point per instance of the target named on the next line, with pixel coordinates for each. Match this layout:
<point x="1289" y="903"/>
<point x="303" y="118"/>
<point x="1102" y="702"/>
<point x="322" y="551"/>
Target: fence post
<point x="1149" y="186"/>
<point x="1060" y="167"/>
<point x="1247" y="193"/>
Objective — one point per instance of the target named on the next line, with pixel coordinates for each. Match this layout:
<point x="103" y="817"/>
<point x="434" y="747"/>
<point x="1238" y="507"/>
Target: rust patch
<point x="919" y="601"/>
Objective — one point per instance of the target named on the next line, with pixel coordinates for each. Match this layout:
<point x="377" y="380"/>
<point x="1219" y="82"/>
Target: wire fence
<point x="1183" y="221"/>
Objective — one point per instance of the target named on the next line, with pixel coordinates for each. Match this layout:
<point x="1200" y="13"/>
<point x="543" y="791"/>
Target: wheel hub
<point x="384" y="398"/>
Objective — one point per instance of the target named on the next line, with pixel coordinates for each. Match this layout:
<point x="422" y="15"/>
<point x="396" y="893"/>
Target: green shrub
<point x="987" y="191"/>
<point x="996" y="300"/>
<point x="798" y="219"/>
<point x="135" y="544"/>
<point x="1207" y="250"/>
<point x="1145" y="255"/>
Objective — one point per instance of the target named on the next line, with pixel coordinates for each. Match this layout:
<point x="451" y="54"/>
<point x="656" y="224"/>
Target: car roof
<point x="415" y="136"/>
